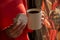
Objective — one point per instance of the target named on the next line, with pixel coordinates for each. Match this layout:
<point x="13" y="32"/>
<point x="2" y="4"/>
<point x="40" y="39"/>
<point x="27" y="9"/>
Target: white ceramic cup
<point x="34" y="19"/>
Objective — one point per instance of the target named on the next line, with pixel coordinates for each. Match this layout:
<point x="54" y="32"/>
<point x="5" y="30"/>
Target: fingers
<point x="13" y="27"/>
<point x="17" y="32"/>
<point x="20" y="31"/>
<point x="21" y="26"/>
<point x="18" y="27"/>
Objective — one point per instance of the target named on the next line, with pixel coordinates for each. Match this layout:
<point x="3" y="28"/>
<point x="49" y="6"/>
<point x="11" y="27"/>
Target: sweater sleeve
<point x="5" y="22"/>
<point x="9" y="11"/>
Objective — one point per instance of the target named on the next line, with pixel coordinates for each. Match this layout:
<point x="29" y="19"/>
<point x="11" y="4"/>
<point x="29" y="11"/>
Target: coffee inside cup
<point x="34" y="12"/>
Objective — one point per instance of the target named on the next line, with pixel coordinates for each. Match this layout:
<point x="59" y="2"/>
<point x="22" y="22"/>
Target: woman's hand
<point x="17" y="28"/>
